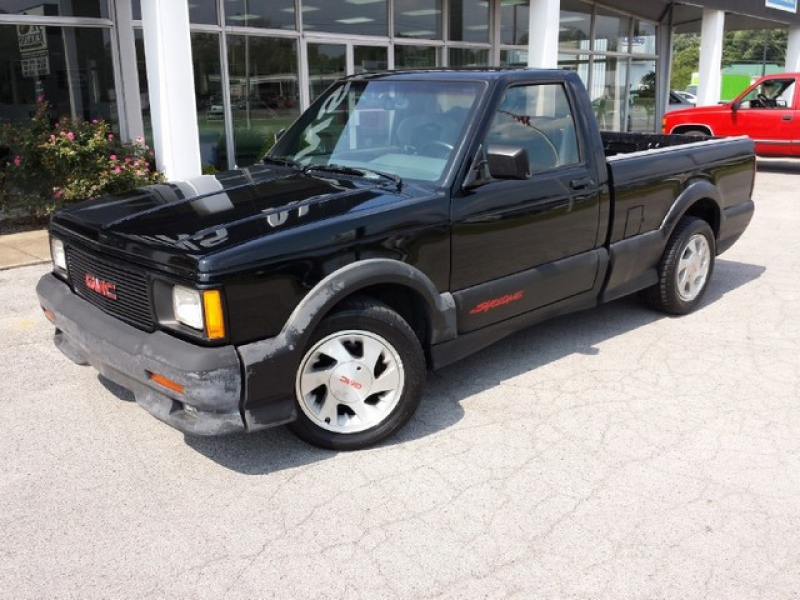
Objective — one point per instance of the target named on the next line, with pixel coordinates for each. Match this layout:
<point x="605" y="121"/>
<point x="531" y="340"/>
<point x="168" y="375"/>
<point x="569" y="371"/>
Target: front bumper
<point x="212" y="398"/>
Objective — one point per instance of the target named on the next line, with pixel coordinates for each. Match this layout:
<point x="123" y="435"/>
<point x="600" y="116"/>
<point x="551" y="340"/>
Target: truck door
<point x="518" y="245"/>
<point x="768" y="114"/>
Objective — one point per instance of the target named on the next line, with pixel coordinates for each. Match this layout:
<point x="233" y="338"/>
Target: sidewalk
<point x="27" y="248"/>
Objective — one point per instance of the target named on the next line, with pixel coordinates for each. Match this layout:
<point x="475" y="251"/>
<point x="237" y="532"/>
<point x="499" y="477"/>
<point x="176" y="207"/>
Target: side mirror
<point x="508" y="162"/>
<point x="736" y="105"/>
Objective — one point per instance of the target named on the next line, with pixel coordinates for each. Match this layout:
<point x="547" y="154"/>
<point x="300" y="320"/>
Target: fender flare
<point x="268" y="396"/>
<point x="362" y="274"/>
<point x="693" y="126"/>
<point x="699" y="189"/>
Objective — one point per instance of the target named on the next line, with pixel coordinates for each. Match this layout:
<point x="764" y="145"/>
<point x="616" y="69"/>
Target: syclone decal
<point x="495" y="302"/>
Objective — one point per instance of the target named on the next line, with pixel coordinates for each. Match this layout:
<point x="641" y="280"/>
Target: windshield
<point x="408" y="129"/>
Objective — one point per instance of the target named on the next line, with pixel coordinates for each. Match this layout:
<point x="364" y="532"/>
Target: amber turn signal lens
<point x="167" y="383"/>
<point x="215" y="323"/>
<point x="50" y="315"/>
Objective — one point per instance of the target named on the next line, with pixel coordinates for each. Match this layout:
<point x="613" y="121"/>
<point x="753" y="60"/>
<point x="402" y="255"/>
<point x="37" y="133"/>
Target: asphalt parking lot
<point x="613" y="454"/>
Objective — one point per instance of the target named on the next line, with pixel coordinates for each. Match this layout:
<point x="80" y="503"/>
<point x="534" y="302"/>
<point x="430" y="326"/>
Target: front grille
<point x="132" y="291"/>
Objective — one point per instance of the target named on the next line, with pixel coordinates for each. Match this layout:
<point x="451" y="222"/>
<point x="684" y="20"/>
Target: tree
<point x="685" y="59"/>
<point x="750" y="46"/>
<point x="746" y="46"/>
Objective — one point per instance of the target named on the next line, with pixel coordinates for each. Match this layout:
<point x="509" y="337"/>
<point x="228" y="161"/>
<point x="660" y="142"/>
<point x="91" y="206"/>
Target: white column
<point x="543" y="34"/>
<point x="793" y="50"/>
<point x="712" y="37"/>
<point x="129" y="101"/>
<point x="664" y="38"/>
<point x="170" y="79"/>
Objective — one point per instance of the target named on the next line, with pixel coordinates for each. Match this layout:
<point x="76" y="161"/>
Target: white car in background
<point x="687" y="96"/>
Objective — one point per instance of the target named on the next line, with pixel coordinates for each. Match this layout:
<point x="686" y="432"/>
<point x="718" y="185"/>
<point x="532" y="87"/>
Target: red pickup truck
<point x="768" y="112"/>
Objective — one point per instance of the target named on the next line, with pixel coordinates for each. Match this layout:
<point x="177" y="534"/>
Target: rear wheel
<point x="685" y="269"/>
<point x="360" y="378"/>
<point x="695" y="132"/>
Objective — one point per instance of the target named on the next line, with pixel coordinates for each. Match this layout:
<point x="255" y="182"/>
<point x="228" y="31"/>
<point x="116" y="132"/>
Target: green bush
<point x="49" y="164"/>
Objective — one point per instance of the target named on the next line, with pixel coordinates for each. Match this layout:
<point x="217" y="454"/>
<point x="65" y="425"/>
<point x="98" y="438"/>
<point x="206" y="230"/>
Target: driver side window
<point x="539" y="119"/>
<point x="775" y="93"/>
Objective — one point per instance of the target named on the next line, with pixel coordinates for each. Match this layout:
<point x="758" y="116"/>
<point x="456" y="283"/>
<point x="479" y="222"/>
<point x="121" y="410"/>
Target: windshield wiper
<point x="281" y="160"/>
<point x="356" y="172"/>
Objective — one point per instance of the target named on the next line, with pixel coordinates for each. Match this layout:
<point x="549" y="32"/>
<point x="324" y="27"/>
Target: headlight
<point x="188" y="307"/>
<point x="199" y="310"/>
<point x="58" y="253"/>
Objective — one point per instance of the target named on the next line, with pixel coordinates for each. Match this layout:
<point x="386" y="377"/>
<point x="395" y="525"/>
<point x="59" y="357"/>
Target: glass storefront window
<point x="514" y="15"/>
<point x="208" y="98"/>
<point x="70" y="67"/>
<point x="644" y="38"/>
<point x="56" y="8"/>
<point x="469" y="21"/>
<point x="609" y="100"/>
<point x="370" y="58"/>
<point x="513" y="58"/>
<point x="418" y="18"/>
<point x="415" y="57"/>
<point x="611" y="31"/>
<point x="468" y="57"/>
<point x="642" y="102"/>
<point x="326" y="64"/>
<point x="203" y="12"/>
<point x="264" y="92"/>
<point x="576" y="62"/>
<point x="271" y="14"/>
<point x="359" y="17"/>
<point x="576" y="25"/>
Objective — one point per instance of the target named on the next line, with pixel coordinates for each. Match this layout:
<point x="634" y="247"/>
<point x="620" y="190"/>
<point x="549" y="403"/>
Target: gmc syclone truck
<point x="405" y="220"/>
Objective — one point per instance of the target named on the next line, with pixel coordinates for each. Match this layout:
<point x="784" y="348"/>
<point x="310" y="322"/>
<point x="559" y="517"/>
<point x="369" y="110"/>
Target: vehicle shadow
<point x="277" y="449"/>
<point x="526" y="350"/>
<point x="778" y="165"/>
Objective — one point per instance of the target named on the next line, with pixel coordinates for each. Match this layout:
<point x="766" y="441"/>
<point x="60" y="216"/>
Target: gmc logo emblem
<point x="104" y="288"/>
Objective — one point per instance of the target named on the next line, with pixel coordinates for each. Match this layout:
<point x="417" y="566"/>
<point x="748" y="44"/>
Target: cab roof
<point x="461" y="74"/>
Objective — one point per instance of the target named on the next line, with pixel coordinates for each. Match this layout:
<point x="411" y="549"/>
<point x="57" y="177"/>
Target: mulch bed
<point x="20" y="224"/>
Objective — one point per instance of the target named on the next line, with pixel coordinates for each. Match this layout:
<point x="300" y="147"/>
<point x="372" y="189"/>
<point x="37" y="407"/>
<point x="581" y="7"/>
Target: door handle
<point x="581" y="184"/>
<point x="786" y="118"/>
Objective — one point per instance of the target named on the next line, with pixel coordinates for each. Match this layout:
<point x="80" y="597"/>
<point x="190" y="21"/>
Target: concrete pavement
<point x="22" y="249"/>
<point x="614" y="454"/>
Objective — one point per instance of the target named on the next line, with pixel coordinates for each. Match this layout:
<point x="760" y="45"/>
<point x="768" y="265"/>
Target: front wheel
<point x="360" y="378"/>
<point x="685" y="269"/>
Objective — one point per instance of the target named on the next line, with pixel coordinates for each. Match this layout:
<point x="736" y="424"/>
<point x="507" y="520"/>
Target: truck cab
<point x="768" y="112"/>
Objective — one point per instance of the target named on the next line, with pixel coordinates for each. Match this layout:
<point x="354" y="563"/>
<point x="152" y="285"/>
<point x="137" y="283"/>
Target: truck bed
<point x="624" y="143"/>
<point x="652" y="174"/>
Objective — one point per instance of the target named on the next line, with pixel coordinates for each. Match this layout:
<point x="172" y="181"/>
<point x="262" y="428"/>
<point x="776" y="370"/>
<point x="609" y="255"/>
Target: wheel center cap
<point x="351" y="382"/>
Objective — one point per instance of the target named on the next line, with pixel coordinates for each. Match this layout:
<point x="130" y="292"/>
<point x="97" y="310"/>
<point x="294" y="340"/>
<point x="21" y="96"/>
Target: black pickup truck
<point x="407" y="219"/>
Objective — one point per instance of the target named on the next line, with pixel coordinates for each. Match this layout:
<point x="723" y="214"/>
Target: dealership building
<point x="212" y="82"/>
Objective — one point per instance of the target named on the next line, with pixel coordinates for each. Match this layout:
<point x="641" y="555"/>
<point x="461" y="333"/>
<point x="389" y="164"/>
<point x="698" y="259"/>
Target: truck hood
<point x="698" y="111"/>
<point x="175" y="225"/>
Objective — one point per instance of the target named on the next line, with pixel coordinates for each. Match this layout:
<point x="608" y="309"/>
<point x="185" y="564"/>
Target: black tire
<point x="695" y="132"/>
<point x="360" y="378"/>
<point x="685" y="270"/>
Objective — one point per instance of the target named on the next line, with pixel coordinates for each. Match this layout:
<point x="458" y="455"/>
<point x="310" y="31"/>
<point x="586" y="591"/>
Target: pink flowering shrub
<point x="47" y="165"/>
